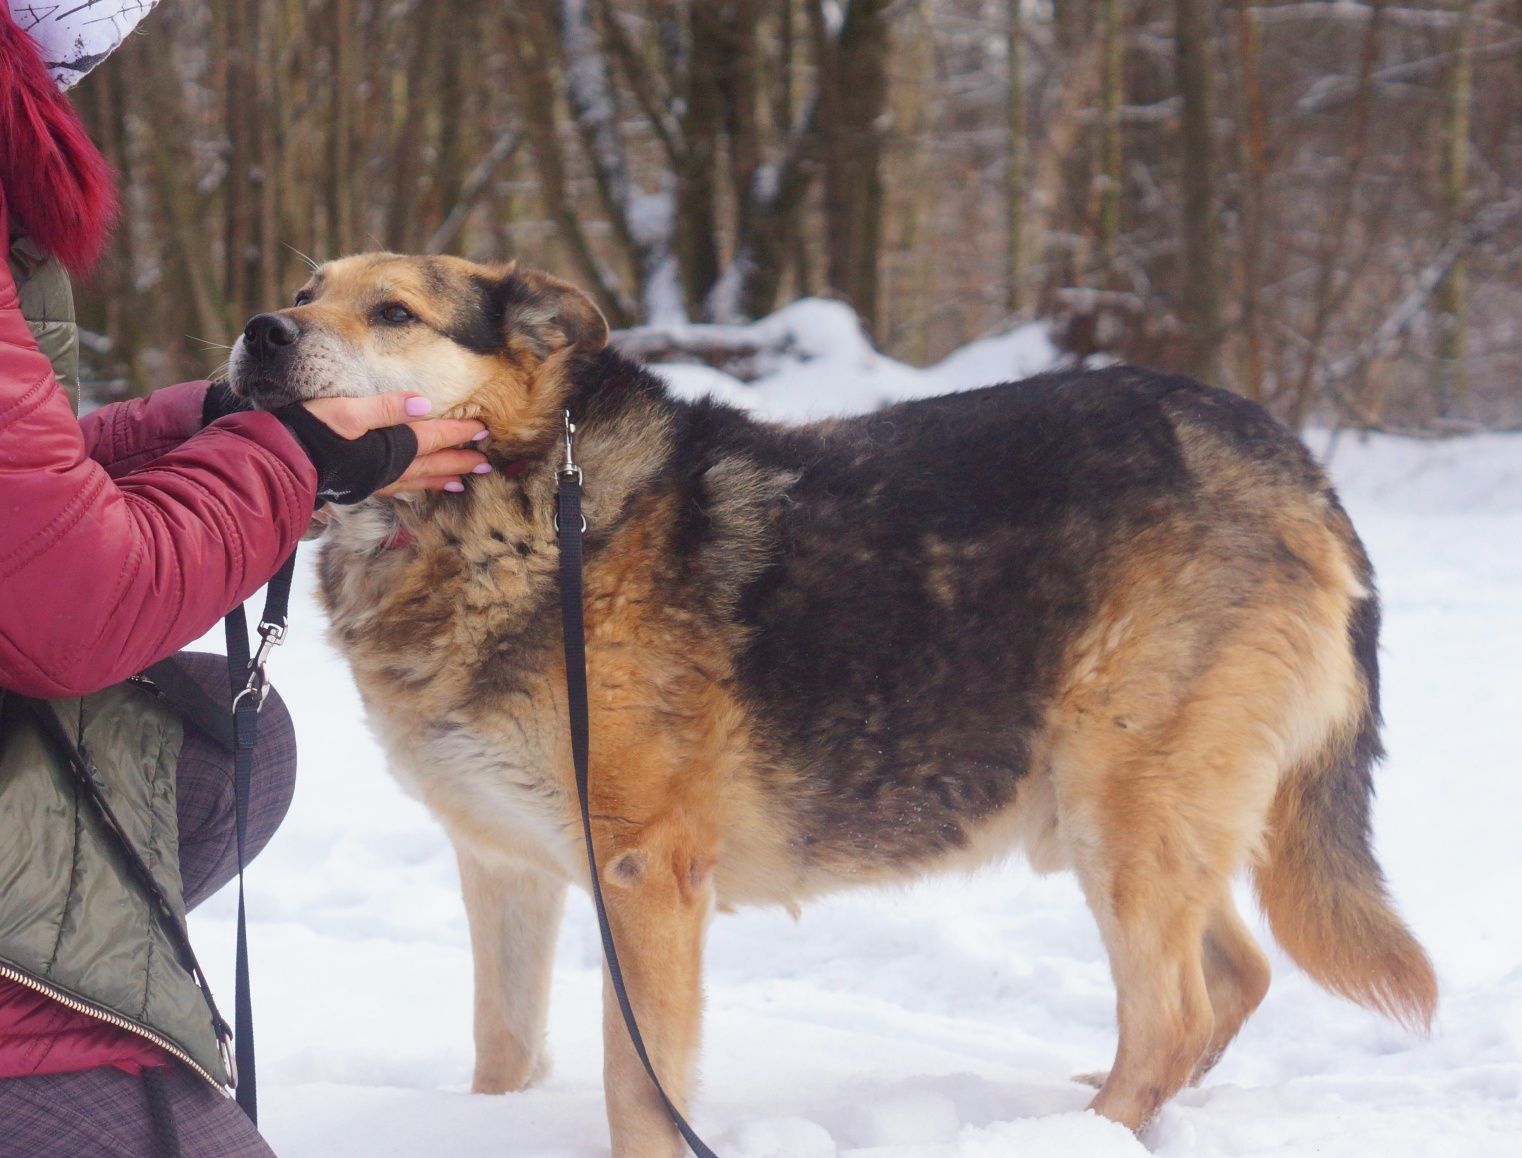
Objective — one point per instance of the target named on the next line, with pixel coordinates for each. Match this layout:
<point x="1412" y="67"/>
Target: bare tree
<point x="1451" y="296"/>
<point x="1200" y="296"/>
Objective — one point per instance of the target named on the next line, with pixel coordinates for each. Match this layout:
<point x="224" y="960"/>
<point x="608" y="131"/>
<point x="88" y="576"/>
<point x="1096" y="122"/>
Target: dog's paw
<point x="509" y="1078"/>
<point x="1095" y="1079"/>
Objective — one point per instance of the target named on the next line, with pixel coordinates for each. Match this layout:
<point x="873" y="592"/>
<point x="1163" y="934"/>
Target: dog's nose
<point x="269" y="333"/>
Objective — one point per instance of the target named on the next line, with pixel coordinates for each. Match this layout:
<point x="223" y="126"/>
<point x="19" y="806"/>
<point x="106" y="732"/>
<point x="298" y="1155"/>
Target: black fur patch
<point x="931" y="564"/>
<point x="480" y="326"/>
<point x="904" y="586"/>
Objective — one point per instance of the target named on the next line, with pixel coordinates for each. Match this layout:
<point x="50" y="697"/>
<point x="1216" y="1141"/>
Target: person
<point x="123" y="537"/>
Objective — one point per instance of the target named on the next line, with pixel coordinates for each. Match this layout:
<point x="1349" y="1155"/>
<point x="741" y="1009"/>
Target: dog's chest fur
<point x="453" y="640"/>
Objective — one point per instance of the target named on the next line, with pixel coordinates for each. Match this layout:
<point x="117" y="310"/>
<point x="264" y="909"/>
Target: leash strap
<point x="196" y="706"/>
<point x="571" y="525"/>
<point x="250" y="686"/>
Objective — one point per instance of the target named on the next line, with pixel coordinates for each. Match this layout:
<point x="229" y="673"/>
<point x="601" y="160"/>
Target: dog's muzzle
<point x="261" y="359"/>
<point x="268" y="336"/>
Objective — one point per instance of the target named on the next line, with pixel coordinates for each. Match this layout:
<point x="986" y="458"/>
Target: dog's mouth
<point x="264" y="382"/>
<point x="260" y="390"/>
<point x="267" y="397"/>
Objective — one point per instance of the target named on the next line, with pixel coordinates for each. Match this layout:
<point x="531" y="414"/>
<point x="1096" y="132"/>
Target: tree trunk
<point x="697" y="213"/>
<point x="1450" y="300"/>
<point x="344" y="87"/>
<point x="853" y="89"/>
<point x="532" y="39"/>
<point x="1254" y="162"/>
<point x="1019" y="157"/>
<point x="1112" y="96"/>
<point x="1201" y="292"/>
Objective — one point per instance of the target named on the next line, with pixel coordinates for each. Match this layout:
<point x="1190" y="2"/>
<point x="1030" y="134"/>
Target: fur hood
<point x="53" y="180"/>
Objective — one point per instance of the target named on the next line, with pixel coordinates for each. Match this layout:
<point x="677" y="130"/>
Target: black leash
<point x="250" y="687"/>
<point x="570" y="525"/>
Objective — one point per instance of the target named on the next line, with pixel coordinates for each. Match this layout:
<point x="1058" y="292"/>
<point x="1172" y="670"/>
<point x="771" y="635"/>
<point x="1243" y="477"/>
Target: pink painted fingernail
<point x="454" y="486"/>
<point x="417" y="407"/>
<point x="480" y="436"/>
<point x="481" y="468"/>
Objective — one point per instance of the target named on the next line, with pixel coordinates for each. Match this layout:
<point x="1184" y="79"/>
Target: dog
<point x="1115" y="619"/>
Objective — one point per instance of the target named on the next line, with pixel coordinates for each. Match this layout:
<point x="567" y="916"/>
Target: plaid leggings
<point x="103" y="1113"/>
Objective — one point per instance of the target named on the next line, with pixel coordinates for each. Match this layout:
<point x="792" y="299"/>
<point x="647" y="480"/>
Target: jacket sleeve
<point x="130" y="434"/>
<point x="100" y="577"/>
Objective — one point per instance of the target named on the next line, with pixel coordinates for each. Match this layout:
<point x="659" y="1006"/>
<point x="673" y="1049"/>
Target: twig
<point x="471" y="189"/>
<point x="1426" y="283"/>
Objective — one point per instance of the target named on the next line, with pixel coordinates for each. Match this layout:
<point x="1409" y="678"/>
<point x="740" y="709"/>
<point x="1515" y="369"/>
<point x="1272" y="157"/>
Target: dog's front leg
<point x="659" y="894"/>
<point x="514" y="913"/>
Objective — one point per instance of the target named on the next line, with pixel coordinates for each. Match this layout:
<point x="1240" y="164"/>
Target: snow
<point x="942" y="1020"/>
<point x="651" y="218"/>
<point x="821" y="364"/>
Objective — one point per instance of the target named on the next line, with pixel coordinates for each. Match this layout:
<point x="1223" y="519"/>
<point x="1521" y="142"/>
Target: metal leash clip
<point x="569" y="470"/>
<point x="271" y="636"/>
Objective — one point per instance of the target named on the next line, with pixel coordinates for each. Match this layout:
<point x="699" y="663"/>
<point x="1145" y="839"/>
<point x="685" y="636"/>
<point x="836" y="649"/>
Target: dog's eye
<point x="303" y="297"/>
<point x="395" y="315"/>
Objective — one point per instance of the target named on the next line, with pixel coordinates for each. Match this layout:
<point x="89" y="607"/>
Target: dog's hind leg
<point x="1236" y="980"/>
<point x="1154" y="937"/>
<point x="1236" y="977"/>
<point x="1158" y="820"/>
<point x="514" y="914"/>
<point x="659" y="890"/>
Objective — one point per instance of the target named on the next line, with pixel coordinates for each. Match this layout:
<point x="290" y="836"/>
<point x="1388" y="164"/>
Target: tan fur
<point x="1199" y="692"/>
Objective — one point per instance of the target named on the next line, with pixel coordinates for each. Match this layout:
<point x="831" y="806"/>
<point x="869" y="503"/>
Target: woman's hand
<point x="442" y="457"/>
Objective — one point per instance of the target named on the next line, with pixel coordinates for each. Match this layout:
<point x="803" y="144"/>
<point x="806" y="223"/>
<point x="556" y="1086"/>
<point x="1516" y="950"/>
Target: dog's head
<point x="480" y="341"/>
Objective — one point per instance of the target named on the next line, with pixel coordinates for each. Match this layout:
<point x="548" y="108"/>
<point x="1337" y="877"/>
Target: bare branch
<point x="1357" y="12"/>
<point x="471" y="188"/>
<point x="1411" y="306"/>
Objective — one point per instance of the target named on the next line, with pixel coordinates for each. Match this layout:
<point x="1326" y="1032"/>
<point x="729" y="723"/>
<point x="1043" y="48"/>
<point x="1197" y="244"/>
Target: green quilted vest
<point x="74" y="923"/>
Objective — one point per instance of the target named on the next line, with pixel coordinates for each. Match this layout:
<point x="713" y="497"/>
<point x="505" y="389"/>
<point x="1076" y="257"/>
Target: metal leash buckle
<point x="569" y="469"/>
<point x="271" y="636"/>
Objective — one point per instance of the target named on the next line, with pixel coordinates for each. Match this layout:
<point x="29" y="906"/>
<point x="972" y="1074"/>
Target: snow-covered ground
<point x="941" y="1020"/>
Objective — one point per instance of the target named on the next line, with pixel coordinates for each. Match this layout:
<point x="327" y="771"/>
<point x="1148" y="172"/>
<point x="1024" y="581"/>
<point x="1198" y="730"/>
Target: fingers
<point x="438" y="433"/>
<point x="352" y="417"/>
<point x="450" y="483"/>
<point x="446" y="463"/>
<point x="440" y="471"/>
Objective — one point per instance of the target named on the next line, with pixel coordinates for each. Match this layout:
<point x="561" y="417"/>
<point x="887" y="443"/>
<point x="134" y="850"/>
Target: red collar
<point x="397" y="539"/>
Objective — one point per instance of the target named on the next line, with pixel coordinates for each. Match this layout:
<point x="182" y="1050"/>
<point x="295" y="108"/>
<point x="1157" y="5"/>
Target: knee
<point x="676" y="870"/>
<point x="207" y="768"/>
<point x="274" y="774"/>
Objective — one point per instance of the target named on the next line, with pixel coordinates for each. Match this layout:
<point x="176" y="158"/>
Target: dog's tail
<point x="1319" y="883"/>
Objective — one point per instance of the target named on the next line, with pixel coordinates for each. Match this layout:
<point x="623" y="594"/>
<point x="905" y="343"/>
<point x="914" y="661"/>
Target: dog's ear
<point x="525" y="310"/>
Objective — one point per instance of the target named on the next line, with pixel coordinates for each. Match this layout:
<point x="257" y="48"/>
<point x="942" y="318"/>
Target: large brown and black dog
<point x="1114" y="618"/>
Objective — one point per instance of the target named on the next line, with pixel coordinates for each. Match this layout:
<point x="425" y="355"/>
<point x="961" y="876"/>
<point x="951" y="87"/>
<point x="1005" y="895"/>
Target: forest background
<point x="1316" y="204"/>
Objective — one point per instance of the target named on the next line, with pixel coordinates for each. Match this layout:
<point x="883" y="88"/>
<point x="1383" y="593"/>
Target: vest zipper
<point x="95" y="1011"/>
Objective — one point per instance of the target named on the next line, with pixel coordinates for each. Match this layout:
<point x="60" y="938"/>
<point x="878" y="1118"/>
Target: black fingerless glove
<point x="350" y="470"/>
<point x="220" y="402"/>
